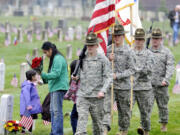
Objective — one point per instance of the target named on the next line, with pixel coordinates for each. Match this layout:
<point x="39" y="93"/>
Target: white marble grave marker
<point x="45" y="35"/>
<point x="20" y="35"/>
<point x="69" y="51"/>
<point x="24" y="67"/>
<point x="2" y="76"/>
<point x="71" y="33"/>
<point x="6" y="113"/>
<point x="78" y="32"/>
<point x="60" y="35"/>
<point x="35" y="53"/>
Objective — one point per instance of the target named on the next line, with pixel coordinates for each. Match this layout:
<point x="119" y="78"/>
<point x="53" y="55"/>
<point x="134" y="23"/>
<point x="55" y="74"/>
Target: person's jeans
<point x="74" y="119"/>
<point x="175" y="32"/>
<point x="56" y="110"/>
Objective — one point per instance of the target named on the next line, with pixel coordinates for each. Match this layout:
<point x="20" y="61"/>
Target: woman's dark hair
<point x="30" y="74"/>
<point x="47" y="46"/>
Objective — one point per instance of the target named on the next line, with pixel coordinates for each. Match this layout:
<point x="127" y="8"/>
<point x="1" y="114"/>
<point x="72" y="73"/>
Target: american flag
<point x="102" y="19"/>
<point x="14" y="81"/>
<point x="26" y="120"/>
<point x="46" y="123"/>
<point x="15" y="41"/>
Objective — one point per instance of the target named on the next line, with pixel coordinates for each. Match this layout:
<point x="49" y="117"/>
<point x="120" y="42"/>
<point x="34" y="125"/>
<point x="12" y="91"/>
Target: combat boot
<point x="140" y="131"/>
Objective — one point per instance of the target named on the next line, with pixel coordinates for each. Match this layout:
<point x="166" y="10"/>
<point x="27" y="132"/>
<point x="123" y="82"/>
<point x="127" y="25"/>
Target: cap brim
<point x="157" y="36"/>
<point x="97" y="42"/>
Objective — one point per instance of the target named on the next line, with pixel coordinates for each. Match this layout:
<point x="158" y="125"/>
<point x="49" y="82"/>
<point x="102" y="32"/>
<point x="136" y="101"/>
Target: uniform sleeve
<point x="26" y="94"/>
<point x="55" y="72"/>
<point x="130" y="69"/>
<point x="107" y="75"/>
<point x="169" y="67"/>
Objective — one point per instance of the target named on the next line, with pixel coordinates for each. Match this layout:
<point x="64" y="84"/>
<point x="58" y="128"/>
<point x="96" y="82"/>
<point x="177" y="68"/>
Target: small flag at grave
<point x="26" y="120"/>
<point x="15" y="42"/>
<point x="14" y="81"/>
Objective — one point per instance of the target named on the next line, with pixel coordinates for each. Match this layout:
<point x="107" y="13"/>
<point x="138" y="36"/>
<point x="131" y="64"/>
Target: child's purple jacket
<point x="29" y="97"/>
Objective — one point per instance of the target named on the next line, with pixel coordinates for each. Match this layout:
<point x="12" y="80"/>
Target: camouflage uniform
<point x="162" y="71"/>
<point x="142" y="86"/>
<point x="142" y="81"/>
<point x="94" y="77"/>
<point x="123" y="68"/>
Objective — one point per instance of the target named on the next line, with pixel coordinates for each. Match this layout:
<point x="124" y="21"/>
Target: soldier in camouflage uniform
<point x="123" y="69"/>
<point x="162" y="72"/>
<point x="142" y="80"/>
<point x="95" y="78"/>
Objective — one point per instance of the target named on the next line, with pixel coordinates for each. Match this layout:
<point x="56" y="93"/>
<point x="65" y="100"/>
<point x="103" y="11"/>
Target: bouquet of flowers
<point x="37" y="64"/>
<point x="12" y="126"/>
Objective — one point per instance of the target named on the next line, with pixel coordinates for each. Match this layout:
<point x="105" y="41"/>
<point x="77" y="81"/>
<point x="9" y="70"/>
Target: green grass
<point x="15" y="55"/>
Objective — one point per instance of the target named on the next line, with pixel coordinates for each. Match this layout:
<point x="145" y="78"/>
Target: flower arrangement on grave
<point x="13" y="126"/>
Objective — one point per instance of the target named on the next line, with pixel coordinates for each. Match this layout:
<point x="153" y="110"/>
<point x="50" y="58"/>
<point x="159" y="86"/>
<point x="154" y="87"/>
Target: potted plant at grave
<point x="12" y="126"/>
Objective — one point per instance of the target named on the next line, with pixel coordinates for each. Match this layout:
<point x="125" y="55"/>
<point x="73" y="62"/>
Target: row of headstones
<point x="150" y="15"/>
<point x="70" y="36"/>
<point x="66" y="11"/>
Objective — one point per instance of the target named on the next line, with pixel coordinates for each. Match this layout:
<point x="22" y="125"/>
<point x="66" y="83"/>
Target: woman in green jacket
<point x="57" y="78"/>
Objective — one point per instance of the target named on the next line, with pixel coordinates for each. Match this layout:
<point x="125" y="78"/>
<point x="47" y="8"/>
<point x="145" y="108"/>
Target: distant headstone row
<point x="14" y="35"/>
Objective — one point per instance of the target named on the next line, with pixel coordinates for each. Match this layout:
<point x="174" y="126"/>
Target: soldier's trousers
<point x="161" y="95"/>
<point x="122" y="98"/>
<point x="94" y="106"/>
<point x="107" y="110"/>
<point x="144" y="102"/>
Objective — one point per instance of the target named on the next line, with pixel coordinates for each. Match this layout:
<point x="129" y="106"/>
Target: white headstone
<point x="20" y="35"/>
<point x="69" y="52"/>
<point x="7" y="41"/>
<point x="35" y="53"/>
<point x="170" y="39"/>
<point x="60" y="35"/>
<point x="2" y="76"/>
<point x="30" y="35"/>
<point x="161" y="16"/>
<point x="24" y="67"/>
<point x="45" y="35"/>
<point x="6" y="113"/>
<point x="178" y="76"/>
<point x="71" y="33"/>
<point x="79" y="32"/>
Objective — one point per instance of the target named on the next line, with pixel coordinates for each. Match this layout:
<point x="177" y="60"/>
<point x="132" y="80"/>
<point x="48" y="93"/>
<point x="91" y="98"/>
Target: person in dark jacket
<point x="174" y="17"/>
<point x="71" y="95"/>
<point x="29" y="98"/>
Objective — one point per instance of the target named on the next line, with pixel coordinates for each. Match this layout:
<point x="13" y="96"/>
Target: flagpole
<point x="112" y="86"/>
<point x="131" y="78"/>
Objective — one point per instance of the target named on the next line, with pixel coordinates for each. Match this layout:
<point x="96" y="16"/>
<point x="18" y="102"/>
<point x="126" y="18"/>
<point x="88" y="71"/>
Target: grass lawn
<point x="15" y="55"/>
